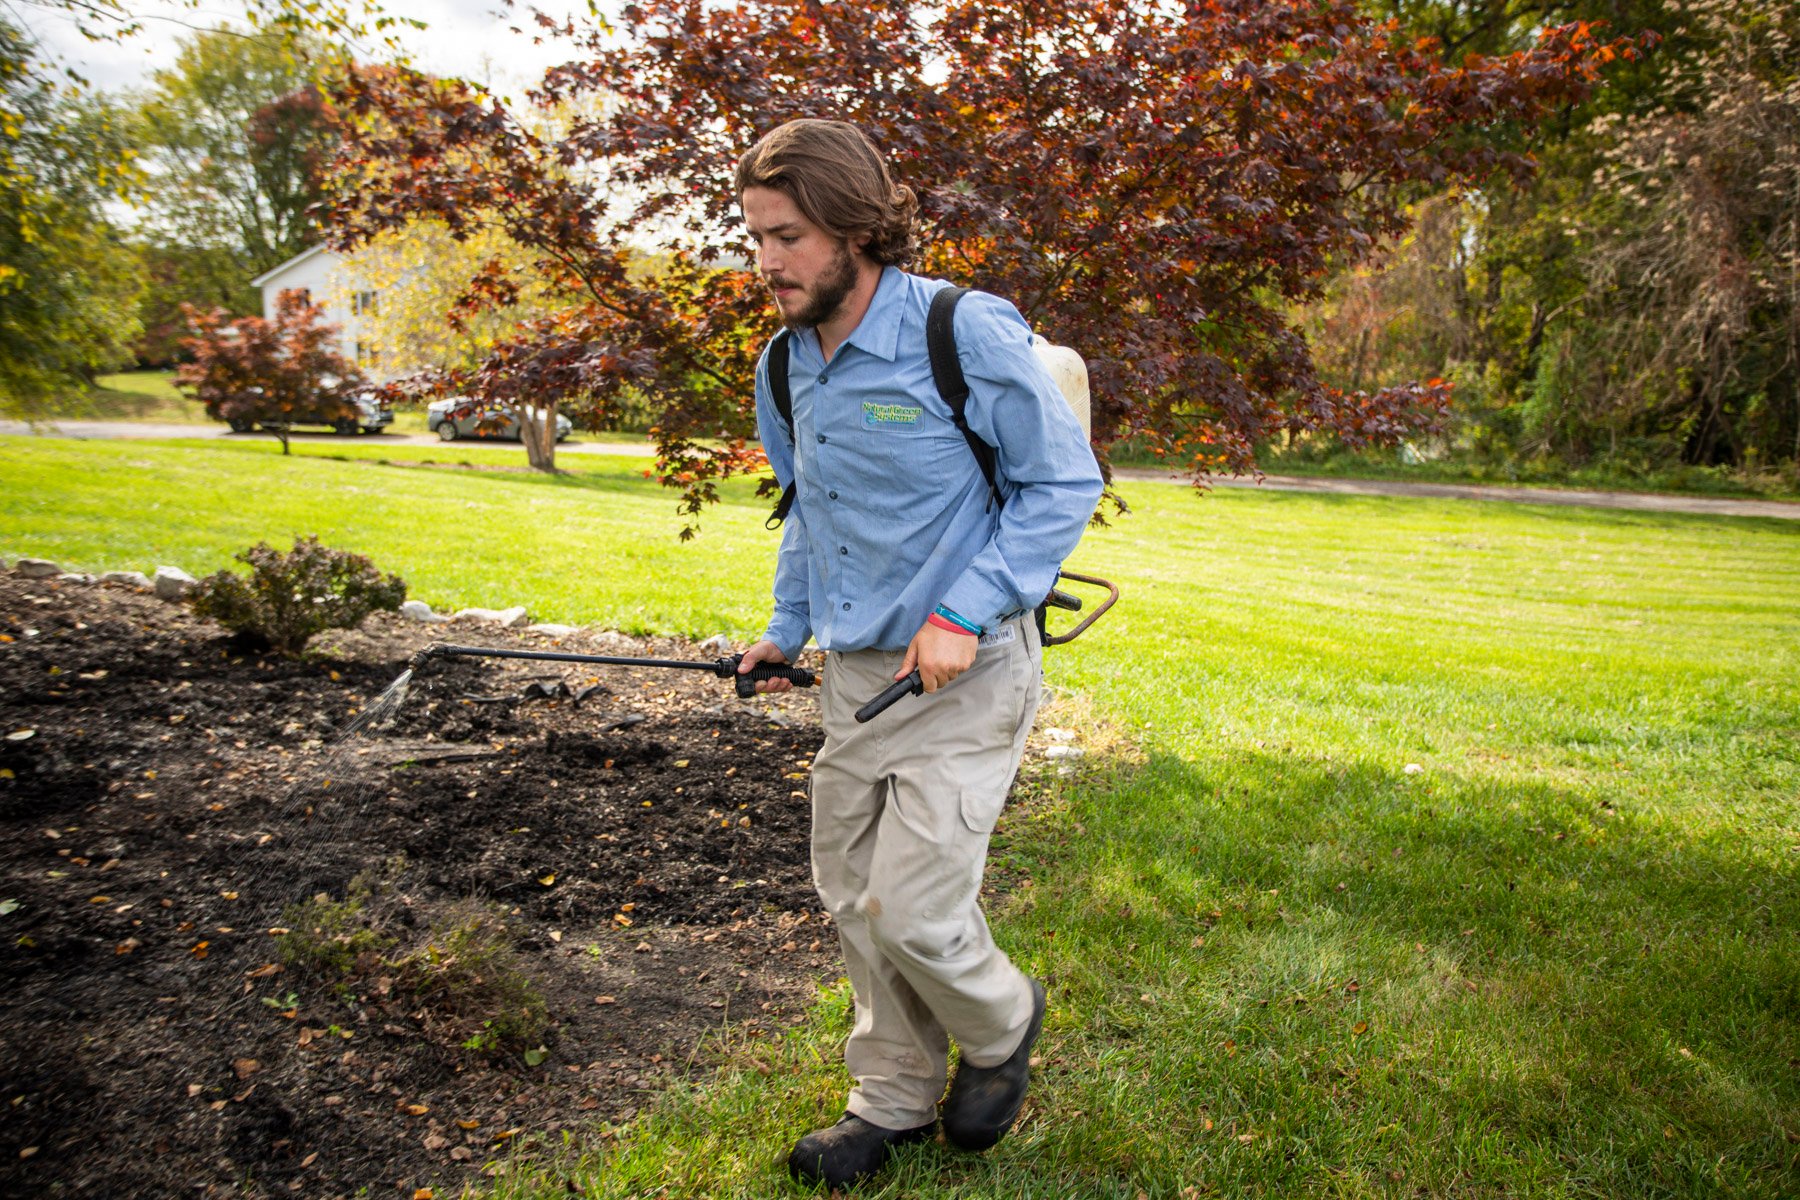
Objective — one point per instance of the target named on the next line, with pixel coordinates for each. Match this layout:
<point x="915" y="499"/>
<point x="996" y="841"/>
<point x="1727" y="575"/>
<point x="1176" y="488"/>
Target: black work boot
<point x="850" y="1151"/>
<point x="984" y="1101"/>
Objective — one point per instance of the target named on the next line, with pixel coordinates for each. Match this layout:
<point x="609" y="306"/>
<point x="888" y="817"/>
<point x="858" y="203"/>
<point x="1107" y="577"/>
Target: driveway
<point x="106" y="430"/>
<point x="1638" y="501"/>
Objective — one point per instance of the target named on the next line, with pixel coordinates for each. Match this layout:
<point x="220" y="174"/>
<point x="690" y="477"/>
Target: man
<point x="895" y="557"/>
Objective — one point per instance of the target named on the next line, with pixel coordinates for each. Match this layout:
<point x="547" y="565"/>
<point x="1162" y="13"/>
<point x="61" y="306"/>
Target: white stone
<point x="510" y="618"/>
<point x="74" y="577"/>
<point x="172" y="583"/>
<point x="418" y="610"/>
<point x="550" y="629"/>
<point x="36" y="568"/>
<point x="136" y="579"/>
<point x="1060" y="735"/>
<point x="1063" y="752"/>
<point x="1413" y="769"/>
<point x="718" y="643"/>
<point x="612" y="641"/>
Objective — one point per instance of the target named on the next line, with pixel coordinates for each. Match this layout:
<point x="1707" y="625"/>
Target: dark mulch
<point x="644" y="854"/>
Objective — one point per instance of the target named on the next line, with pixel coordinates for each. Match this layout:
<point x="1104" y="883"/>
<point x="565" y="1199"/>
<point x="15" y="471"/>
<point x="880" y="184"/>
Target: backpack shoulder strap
<point x="783" y="395"/>
<point x="946" y="372"/>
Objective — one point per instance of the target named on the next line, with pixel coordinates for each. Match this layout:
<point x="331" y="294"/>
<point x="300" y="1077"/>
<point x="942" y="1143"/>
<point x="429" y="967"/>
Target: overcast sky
<point x="471" y="39"/>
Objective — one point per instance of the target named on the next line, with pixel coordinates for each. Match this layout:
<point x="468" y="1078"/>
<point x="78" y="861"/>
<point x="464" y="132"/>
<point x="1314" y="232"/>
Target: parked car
<point x="459" y="417"/>
<point x="371" y="417"/>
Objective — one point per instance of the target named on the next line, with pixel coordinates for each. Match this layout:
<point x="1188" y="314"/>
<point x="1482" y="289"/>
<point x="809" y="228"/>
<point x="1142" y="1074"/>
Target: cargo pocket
<point x="981" y="808"/>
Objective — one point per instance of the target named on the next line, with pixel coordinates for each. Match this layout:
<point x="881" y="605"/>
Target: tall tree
<point x="234" y="137"/>
<point x="68" y="284"/>
<point x="1151" y="184"/>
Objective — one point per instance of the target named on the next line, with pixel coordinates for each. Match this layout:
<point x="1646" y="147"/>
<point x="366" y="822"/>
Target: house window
<point x="362" y="302"/>
<point x="303" y="295"/>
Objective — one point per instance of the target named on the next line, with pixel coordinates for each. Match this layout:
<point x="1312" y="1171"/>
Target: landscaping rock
<point x="172" y="583"/>
<point x="553" y="630"/>
<point x="74" y="577"/>
<point x="509" y="618"/>
<point x="136" y="579"/>
<point x="418" y="610"/>
<point x="718" y="643"/>
<point x="613" y="642"/>
<point x="36" y="568"/>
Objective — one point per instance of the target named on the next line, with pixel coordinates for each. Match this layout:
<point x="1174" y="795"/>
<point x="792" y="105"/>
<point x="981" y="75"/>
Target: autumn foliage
<point x="1154" y="185"/>
<point x="248" y="371"/>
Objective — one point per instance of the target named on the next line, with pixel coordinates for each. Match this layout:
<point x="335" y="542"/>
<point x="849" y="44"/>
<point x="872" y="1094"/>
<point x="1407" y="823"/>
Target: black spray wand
<point x="724" y="668"/>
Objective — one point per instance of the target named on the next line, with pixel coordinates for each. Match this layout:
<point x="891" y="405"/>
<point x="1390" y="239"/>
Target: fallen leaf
<point x="643" y="947"/>
<point x="1230" y="1048"/>
<point x="20" y="735"/>
<point x="127" y="946"/>
<point x="199" y="950"/>
<point x="423" y="1194"/>
<point x="1360" y="1028"/>
<point x="470" y="1124"/>
<point x="310" y="1159"/>
<point x="264" y="971"/>
<point x="507" y="1133"/>
<point x="435" y="1141"/>
<point x="462" y="1153"/>
<point x="245" y="1067"/>
<point x="534" y="1057"/>
<point x="28" y="1151"/>
<point x="417" y="1110"/>
<point x="547" y="880"/>
<point x="605" y="1000"/>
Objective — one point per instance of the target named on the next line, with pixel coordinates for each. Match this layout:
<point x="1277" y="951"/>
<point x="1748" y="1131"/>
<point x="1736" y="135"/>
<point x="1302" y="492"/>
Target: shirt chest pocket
<point x="917" y="457"/>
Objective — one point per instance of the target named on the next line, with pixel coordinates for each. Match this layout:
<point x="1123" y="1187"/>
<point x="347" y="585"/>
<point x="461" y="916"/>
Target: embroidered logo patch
<point x="889" y="416"/>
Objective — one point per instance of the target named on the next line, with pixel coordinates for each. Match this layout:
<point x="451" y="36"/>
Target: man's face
<point x="809" y="271"/>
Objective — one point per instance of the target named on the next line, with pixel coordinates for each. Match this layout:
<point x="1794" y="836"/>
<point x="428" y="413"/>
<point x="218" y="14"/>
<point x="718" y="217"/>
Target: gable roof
<point x="292" y="262"/>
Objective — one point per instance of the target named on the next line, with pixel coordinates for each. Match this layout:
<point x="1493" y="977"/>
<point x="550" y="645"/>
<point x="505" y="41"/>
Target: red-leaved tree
<point x="1153" y="185"/>
<point x="250" y="372"/>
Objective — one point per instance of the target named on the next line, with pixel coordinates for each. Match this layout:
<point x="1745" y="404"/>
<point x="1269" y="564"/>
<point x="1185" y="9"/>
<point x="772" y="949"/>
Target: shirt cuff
<point x="789" y="633"/>
<point x="978" y="601"/>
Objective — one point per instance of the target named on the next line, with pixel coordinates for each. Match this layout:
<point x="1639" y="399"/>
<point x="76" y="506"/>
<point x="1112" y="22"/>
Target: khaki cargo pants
<point x="902" y="811"/>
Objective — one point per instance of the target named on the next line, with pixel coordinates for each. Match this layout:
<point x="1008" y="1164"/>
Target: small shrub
<point x="467" y="973"/>
<point x="287" y="598"/>
<point x="325" y="937"/>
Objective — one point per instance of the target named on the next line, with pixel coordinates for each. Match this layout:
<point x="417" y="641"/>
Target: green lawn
<point x="1558" y="959"/>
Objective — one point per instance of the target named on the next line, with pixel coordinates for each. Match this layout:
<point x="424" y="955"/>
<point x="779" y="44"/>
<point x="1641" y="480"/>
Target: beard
<point x="827" y="294"/>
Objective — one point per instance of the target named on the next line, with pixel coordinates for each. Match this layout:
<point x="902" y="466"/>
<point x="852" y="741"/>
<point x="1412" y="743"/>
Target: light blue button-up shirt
<point x="892" y="516"/>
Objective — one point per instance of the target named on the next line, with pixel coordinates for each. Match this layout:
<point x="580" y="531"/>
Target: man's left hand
<point x="939" y="655"/>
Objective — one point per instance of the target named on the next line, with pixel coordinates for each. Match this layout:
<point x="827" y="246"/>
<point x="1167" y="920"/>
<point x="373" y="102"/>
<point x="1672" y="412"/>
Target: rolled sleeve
<point x="791" y="624"/>
<point x="1046" y="468"/>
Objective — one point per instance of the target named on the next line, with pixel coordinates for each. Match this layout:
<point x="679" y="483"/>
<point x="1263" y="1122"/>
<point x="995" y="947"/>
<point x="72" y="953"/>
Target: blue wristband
<point x="959" y="620"/>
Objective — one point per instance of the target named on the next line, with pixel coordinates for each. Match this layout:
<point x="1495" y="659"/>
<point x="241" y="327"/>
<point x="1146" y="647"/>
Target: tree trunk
<point x="280" y="431"/>
<point x="539" y="435"/>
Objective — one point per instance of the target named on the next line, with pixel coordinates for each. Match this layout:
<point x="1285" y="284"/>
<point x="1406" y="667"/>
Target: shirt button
<point x="846" y="606"/>
<point x="843" y="549"/>
<point x="821" y="437"/>
<point x="824" y="379"/>
<point x="833" y="495"/>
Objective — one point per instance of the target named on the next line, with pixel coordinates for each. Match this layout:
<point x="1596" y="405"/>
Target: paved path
<point x="1638" y="501"/>
<point x="147" y="429"/>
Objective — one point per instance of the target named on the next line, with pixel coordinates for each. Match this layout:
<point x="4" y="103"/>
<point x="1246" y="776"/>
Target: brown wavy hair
<point x="835" y="176"/>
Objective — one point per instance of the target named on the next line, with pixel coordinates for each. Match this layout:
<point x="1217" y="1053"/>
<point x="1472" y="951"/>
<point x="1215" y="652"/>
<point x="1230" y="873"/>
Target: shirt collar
<point x="878" y="332"/>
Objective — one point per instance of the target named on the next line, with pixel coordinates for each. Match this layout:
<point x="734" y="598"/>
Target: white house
<point x="322" y="276"/>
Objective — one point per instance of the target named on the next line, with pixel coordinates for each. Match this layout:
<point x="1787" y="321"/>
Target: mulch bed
<point x="636" y="862"/>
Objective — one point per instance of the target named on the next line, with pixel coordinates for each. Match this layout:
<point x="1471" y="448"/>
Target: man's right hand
<point x="765" y="652"/>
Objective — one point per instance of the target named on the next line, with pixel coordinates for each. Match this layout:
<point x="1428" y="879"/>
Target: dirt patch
<point x="634" y="866"/>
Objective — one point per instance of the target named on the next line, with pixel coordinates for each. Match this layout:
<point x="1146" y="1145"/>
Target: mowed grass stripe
<point x="1558" y="960"/>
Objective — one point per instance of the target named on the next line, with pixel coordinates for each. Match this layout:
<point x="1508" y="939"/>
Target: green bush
<point x="287" y="598"/>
